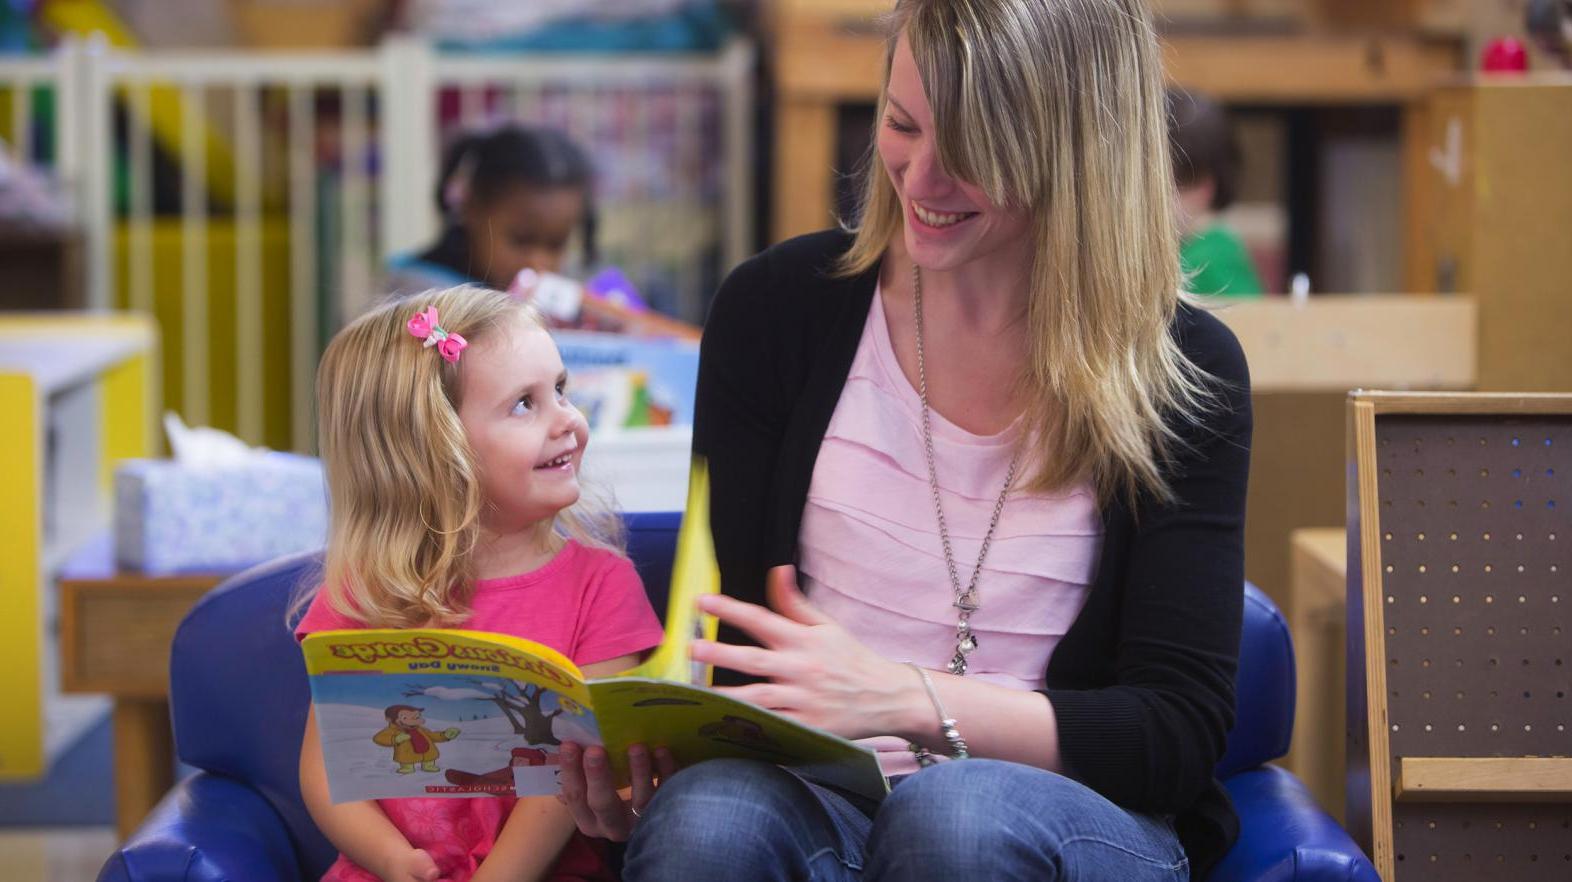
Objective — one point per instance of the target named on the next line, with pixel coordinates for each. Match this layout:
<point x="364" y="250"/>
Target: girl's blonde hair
<point x="1057" y="107"/>
<point x="404" y="493"/>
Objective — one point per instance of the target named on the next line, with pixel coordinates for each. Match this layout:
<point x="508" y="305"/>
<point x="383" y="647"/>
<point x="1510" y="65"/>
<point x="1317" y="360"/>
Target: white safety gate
<point x="337" y="154"/>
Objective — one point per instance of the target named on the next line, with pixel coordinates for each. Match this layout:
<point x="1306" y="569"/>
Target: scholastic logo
<point x="499" y="789"/>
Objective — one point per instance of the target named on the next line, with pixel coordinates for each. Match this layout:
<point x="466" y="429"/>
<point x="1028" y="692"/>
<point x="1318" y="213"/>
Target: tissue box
<point x="171" y="517"/>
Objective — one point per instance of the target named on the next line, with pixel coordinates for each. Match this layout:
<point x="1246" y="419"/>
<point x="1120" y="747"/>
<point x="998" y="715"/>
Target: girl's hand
<point x="588" y="791"/>
<point x="819" y="674"/>
<point x="411" y="865"/>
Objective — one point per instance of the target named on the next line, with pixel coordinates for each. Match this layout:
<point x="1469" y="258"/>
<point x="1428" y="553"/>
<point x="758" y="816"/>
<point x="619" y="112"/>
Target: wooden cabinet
<point x="1490" y="219"/>
<point x="116" y="629"/>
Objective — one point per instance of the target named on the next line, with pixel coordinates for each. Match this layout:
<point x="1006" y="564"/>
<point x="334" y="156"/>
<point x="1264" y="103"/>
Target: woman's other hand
<point x="819" y="674"/>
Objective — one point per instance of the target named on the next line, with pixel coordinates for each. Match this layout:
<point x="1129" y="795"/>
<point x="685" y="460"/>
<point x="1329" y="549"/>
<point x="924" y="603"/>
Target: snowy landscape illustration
<point x="468" y="733"/>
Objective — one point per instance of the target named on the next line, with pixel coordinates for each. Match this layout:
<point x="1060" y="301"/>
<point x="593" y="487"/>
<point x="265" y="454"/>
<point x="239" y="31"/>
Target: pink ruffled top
<point x="870" y="554"/>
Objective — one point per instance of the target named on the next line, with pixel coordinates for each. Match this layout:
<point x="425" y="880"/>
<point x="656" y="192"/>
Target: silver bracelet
<point x="952" y="735"/>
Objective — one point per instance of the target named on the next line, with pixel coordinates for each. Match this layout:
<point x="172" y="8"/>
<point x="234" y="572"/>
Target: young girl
<point x="452" y="458"/>
<point x="512" y="200"/>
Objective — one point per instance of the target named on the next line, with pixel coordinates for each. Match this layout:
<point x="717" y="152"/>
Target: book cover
<point x="454" y="713"/>
<point x="427" y="712"/>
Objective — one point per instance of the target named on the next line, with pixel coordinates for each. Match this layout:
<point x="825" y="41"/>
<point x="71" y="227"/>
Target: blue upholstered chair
<point x="238" y="698"/>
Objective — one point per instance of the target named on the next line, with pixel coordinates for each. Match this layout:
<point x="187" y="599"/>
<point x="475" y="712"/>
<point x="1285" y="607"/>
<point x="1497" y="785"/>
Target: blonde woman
<point x="452" y="458"/>
<point x="978" y="494"/>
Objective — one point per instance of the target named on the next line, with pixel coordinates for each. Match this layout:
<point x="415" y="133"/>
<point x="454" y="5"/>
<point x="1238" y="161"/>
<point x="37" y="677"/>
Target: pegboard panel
<point x="1476" y="550"/>
<point x="1474" y="527"/>
<point x="1494" y="842"/>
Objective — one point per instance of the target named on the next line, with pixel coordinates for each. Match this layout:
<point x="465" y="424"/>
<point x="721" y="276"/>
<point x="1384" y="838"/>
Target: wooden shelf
<point x="1305" y="69"/>
<point x="1484" y="779"/>
<point x="843" y="60"/>
<point x="830" y="52"/>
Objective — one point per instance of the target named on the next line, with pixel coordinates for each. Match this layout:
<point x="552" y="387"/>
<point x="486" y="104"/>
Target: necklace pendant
<point x="964" y="647"/>
<point x="966" y="600"/>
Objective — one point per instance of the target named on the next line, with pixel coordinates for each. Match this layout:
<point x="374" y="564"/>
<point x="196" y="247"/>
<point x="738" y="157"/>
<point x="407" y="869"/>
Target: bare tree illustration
<point x="521" y="704"/>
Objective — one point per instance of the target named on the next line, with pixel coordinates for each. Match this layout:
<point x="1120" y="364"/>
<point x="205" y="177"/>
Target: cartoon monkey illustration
<point x="413" y="744"/>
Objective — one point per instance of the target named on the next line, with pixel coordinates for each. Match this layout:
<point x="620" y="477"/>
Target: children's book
<point x="433" y="712"/>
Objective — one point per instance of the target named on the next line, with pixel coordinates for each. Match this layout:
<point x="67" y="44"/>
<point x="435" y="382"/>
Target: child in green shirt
<point x="1206" y="161"/>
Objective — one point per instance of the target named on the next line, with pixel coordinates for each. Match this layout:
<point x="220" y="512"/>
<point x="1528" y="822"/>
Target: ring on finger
<point x="636" y="812"/>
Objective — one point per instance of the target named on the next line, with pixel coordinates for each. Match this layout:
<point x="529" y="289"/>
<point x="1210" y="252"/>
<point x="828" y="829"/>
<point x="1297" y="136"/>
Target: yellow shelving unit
<point x="78" y="394"/>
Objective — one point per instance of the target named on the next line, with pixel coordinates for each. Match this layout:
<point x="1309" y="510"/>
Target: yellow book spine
<point x="693" y="573"/>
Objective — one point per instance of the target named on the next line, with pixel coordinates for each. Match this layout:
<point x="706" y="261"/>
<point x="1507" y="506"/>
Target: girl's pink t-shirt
<point x="586" y="603"/>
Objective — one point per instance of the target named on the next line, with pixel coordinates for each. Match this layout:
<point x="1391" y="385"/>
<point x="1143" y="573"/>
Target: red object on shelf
<point x="1504" y="55"/>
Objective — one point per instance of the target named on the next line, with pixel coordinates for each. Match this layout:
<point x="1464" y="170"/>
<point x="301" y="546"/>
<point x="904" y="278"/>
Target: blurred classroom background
<point x="195" y="194"/>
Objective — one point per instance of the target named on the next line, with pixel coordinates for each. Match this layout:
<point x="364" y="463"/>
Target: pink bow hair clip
<point x="423" y="325"/>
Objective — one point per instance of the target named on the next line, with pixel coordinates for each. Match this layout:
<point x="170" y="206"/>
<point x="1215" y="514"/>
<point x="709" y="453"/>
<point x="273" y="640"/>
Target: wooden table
<point x="1316" y="609"/>
<point x="115" y="632"/>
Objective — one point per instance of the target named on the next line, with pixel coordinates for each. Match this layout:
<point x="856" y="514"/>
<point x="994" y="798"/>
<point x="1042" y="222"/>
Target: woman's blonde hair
<point x="1057" y="107"/>
<point x="404" y="493"/>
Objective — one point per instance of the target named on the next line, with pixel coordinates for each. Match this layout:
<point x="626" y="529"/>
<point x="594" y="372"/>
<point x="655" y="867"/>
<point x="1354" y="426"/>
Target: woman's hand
<point x="819" y="674"/>
<point x="410" y="865"/>
<point x="590" y="794"/>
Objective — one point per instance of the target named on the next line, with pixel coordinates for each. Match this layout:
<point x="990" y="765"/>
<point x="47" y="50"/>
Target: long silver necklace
<point x="966" y="600"/>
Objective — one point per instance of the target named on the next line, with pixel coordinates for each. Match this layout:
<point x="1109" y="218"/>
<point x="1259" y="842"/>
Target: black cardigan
<point x="1142" y="685"/>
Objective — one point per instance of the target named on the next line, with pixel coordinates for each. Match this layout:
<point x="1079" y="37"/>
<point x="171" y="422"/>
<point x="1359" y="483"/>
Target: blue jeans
<point x="745" y="820"/>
